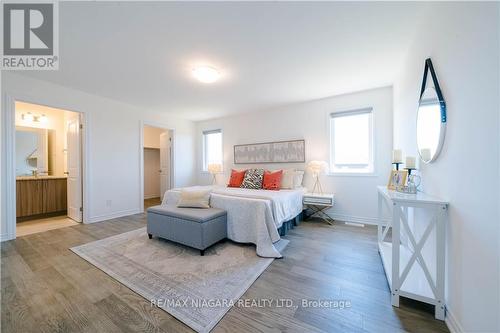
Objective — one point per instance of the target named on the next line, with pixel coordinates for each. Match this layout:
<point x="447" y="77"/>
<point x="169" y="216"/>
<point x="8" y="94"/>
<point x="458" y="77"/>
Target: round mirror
<point x="431" y="125"/>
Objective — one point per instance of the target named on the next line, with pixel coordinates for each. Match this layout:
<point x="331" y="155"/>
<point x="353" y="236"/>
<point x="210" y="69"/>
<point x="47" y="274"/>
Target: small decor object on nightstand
<point x="397" y="179"/>
<point x="214" y="169"/>
<point x="319" y="203"/>
<point x="317" y="168"/>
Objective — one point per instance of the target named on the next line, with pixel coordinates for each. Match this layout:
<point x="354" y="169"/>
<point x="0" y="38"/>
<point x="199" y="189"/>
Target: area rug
<point x="197" y="290"/>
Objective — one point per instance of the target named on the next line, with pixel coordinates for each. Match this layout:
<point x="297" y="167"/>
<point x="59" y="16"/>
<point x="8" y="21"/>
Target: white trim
<point x="359" y="225"/>
<point x="105" y="217"/>
<point x="173" y="157"/>
<point x="8" y="200"/>
<point x="8" y="139"/>
<point x="6" y="237"/>
<point x="452" y="322"/>
<point x="352" y="174"/>
<point x="356" y="219"/>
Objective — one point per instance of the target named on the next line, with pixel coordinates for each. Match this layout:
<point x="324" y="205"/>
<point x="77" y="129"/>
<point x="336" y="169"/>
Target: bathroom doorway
<point x="48" y="167"/>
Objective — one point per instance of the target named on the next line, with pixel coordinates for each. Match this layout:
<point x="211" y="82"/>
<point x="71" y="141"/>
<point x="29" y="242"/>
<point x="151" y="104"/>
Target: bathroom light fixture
<point x="206" y="74"/>
<point x="43" y="119"/>
<point x="28" y="116"/>
<point x="34" y="118"/>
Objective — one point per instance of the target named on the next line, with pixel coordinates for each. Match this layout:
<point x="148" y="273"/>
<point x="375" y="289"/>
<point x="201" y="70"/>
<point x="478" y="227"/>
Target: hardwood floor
<point x="47" y="288"/>
<point x="40" y="225"/>
<point x="151" y="202"/>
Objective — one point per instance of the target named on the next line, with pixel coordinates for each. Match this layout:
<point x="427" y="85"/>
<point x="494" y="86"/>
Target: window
<point x="351" y="141"/>
<point x="212" y="148"/>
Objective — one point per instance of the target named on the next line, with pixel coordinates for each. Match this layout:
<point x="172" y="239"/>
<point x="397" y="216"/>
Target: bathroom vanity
<point x="40" y="196"/>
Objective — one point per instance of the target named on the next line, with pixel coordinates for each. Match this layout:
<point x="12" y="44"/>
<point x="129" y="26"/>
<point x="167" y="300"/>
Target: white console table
<point x="411" y="276"/>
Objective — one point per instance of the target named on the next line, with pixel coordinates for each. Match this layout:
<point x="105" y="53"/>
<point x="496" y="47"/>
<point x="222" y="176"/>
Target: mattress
<point x="254" y="216"/>
<point x="286" y="204"/>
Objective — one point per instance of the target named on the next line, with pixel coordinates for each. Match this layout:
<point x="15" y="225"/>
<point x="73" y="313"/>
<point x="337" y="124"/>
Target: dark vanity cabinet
<point x="36" y="197"/>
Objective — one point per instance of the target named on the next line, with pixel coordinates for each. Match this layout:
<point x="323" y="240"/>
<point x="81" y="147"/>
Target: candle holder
<point x="397" y="164"/>
<point x="410" y="170"/>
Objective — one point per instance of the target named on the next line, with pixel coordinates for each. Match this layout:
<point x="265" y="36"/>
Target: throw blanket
<point x="253" y="216"/>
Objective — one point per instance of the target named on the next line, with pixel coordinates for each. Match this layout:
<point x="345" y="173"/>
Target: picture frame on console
<point x="397" y="179"/>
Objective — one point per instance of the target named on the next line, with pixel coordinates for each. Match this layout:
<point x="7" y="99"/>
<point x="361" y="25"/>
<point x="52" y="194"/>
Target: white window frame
<point x="204" y="150"/>
<point x="353" y="169"/>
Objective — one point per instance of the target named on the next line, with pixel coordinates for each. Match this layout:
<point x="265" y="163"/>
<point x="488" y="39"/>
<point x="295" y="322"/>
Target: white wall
<point x="114" y="140"/>
<point x="462" y="39"/>
<point x="356" y="196"/>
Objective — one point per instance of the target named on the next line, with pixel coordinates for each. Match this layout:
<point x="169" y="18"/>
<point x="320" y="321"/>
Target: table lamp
<point x="214" y="169"/>
<point x="317" y="168"/>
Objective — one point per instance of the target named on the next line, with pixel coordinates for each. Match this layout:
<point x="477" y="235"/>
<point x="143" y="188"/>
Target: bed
<point x="253" y="216"/>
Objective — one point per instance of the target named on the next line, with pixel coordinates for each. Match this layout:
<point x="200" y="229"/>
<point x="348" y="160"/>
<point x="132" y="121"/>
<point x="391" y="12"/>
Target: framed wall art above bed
<point x="271" y="152"/>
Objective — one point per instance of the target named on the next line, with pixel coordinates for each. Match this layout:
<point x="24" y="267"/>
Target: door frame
<point x="8" y="201"/>
<point x="173" y="151"/>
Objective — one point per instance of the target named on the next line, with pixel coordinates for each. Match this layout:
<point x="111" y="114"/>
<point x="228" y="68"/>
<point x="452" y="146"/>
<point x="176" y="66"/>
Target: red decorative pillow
<point x="236" y="178"/>
<point x="272" y="180"/>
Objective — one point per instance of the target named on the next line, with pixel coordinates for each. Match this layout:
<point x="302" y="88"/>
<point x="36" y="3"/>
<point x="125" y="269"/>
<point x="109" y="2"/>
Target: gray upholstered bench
<point x="194" y="227"/>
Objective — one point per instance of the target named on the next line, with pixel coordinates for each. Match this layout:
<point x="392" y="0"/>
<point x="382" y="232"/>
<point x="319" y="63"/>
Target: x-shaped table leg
<point x="320" y="212"/>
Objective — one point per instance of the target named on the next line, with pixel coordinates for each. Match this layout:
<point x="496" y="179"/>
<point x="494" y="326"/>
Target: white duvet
<point x="253" y="216"/>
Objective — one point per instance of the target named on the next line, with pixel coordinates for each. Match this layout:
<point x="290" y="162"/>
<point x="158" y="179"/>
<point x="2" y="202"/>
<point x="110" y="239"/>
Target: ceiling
<point x="270" y="54"/>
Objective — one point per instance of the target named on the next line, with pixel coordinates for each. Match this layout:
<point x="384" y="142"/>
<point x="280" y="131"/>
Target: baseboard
<point x="6" y="237"/>
<point x="151" y="196"/>
<point x="356" y="219"/>
<point x="452" y="322"/>
<point x="105" y="217"/>
<point x="361" y="225"/>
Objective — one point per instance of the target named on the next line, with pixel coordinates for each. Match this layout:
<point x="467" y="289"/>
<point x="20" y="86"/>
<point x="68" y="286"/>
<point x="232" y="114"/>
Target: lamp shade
<point x="317" y="167"/>
<point x="214" y="168"/>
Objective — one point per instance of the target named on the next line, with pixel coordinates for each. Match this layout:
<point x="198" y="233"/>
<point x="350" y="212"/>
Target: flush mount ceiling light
<point x="206" y="74"/>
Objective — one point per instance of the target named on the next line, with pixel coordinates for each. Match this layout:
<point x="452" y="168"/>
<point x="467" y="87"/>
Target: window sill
<point x="352" y="174"/>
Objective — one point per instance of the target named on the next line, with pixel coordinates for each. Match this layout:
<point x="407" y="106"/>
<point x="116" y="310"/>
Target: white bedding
<point x="254" y="216"/>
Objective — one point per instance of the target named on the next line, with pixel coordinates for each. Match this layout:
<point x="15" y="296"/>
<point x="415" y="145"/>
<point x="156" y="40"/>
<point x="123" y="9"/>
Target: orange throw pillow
<point x="236" y="178"/>
<point x="272" y="180"/>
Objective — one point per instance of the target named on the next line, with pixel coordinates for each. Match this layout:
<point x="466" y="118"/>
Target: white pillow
<point x="292" y="179"/>
<point x="194" y="199"/>
<point x="287" y="179"/>
<point x="298" y="176"/>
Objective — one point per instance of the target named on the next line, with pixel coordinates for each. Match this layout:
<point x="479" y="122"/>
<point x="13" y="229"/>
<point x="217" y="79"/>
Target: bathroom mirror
<point x="32" y="151"/>
<point x="431" y="117"/>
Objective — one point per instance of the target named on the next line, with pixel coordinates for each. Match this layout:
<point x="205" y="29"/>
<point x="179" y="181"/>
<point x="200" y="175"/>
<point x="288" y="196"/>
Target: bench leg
<point x="202" y="252"/>
<point x="150" y="236"/>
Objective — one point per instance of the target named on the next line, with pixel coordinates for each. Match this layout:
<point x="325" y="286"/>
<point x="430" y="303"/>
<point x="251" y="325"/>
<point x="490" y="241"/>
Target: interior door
<point x="164" y="163"/>
<point x="74" y="170"/>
